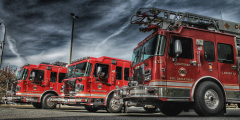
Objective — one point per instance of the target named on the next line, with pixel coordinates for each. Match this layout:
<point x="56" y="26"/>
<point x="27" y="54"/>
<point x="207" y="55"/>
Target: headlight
<point x="79" y="87"/>
<point x="62" y="88"/>
<point x="18" y="88"/>
<point x="147" y="78"/>
<point x="147" y="75"/>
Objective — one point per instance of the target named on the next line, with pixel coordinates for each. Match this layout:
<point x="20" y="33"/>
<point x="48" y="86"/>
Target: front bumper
<point x="140" y="92"/>
<point x="69" y="100"/>
<point x="12" y="98"/>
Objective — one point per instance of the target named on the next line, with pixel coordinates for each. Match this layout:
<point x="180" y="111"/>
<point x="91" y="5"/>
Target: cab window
<point x="53" y="77"/>
<point x="126" y="73"/>
<point x="61" y="77"/>
<point x="105" y="70"/>
<point x="39" y="75"/>
<point x="225" y="53"/>
<point x="187" y="47"/>
<point x="119" y="73"/>
<point x="209" y="53"/>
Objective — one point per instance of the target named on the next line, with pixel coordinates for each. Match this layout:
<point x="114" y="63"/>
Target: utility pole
<point x="8" y="71"/>
<point x="2" y="43"/>
<point x="74" y="17"/>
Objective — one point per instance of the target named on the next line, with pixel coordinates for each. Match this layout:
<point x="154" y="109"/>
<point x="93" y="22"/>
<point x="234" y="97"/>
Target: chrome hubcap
<point x="115" y="104"/>
<point x="211" y="99"/>
<point x="49" y="103"/>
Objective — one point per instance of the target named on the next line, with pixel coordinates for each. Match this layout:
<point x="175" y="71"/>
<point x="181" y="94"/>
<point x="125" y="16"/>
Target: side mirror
<point x="99" y="71"/>
<point x="33" y="76"/>
<point x="178" y="49"/>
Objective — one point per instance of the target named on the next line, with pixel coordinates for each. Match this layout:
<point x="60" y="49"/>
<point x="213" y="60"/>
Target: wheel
<point x="37" y="105"/>
<point x="151" y="110"/>
<point x="46" y="103"/>
<point x="91" y="108"/>
<point x="171" y="108"/>
<point x="209" y="100"/>
<point x="113" y="105"/>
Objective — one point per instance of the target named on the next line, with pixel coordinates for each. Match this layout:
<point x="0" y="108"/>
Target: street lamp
<point x="2" y="43"/>
<point x="74" y="17"/>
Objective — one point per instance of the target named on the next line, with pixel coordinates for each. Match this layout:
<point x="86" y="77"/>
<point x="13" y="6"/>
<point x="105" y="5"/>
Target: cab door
<point x="117" y="73"/>
<point x="53" y="79"/>
<point x="227" y="65"/>
<point x="181" y="70"/>
<point x="60" y="77"/>
<point x="100" y="84"/>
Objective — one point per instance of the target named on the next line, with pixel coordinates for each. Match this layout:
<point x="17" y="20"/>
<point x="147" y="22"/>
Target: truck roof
<point x="100" y="59"/>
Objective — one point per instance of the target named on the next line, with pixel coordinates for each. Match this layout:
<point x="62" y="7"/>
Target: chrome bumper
<point x="69" y="100"/>
<point x="140" y="92"/>
<point x="12" y="98"/>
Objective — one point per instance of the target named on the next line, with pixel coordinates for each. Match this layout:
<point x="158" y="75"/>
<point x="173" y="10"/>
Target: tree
<point x="5" y="75"/>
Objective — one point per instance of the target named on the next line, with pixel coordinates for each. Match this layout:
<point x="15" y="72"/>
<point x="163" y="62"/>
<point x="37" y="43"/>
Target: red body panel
<point x="33" y="91"/>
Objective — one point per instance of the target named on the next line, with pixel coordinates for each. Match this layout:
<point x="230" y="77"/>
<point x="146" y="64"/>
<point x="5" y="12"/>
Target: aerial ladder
<point x="155" y="18"/>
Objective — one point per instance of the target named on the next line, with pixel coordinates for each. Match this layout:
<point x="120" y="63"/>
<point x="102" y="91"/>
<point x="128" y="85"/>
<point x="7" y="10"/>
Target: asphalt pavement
<point x="134" y="113"/>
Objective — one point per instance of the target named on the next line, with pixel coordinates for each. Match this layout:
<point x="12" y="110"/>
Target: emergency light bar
<point x="80" y="59"/>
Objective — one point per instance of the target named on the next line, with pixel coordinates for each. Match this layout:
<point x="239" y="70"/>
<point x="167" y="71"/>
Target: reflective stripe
<point x="231" y="87"/>
<point x="97" y="95"/>
<point x="28" y="94"/>
<point x="157" y="83"/>
<point x="172" y="84"/>
<point x="179" y="84"/>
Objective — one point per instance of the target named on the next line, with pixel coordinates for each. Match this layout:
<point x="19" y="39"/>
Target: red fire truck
<point x="188" y="62"/>
<point x="37" y="83"/>
<point x="91" y="81"/>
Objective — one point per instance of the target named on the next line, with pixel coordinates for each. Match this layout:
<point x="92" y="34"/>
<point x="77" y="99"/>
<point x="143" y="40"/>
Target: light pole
<point x="2" y="43"/>
<point x="74" y="17"/>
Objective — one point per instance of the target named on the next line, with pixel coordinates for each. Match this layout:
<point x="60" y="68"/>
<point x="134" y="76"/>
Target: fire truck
<point x="37" y="83"/>
<point x="189" y="61"/>
<point x="91" y="81"/>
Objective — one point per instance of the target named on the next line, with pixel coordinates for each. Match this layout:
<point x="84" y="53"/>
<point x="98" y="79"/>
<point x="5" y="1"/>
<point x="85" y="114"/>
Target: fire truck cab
<point x="189" y="61"/>
<point x="91" y="81"/>
<point x="37" y="83"/>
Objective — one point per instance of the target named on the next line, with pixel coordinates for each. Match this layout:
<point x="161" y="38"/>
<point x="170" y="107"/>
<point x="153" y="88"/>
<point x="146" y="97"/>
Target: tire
<point x="171" y="108"/>
<point x="37" y="105"/>
<point x="113" y="105"/>
<point x="209" y="92"/>
<point x="46" y="102"/>
<point x="91" y="108"/>
<point x="150" y="110"/>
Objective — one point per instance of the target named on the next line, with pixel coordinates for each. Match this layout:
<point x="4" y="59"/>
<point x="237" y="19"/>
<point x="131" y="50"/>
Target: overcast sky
<point x="40" y="30"/>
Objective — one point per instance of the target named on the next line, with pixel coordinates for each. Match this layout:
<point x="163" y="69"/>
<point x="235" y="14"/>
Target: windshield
<point x="79" y="70"/>
<point x="153" y="47"/>
<point x="22" y="74"/>
<point x="70" y="71"/>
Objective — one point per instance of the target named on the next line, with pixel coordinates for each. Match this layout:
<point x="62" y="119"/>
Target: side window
<point x="53" y="77"/>
<point x="119" y="73"/>
<point x="225" y="53"/>
<point x="39" y="75"/>
<point x="105" y="70"/>
<point x="126" y="73"/>
<point x="209" y="53"/>
<point x="61" y="77"/>
<point x="187" y="47"/>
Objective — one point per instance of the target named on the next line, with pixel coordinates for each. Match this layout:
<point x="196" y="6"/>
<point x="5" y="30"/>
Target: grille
<point x="69" y="86"/>
<point x="138" y="75"/>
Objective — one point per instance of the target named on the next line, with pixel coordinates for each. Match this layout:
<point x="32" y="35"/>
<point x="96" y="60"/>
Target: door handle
<point x="193" y="63"/>
<point x="234" y="67"/>
<point x="199" y="60"/>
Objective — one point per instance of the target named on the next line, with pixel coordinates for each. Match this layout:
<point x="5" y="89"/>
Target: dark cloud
<point x="40" y="30"/>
